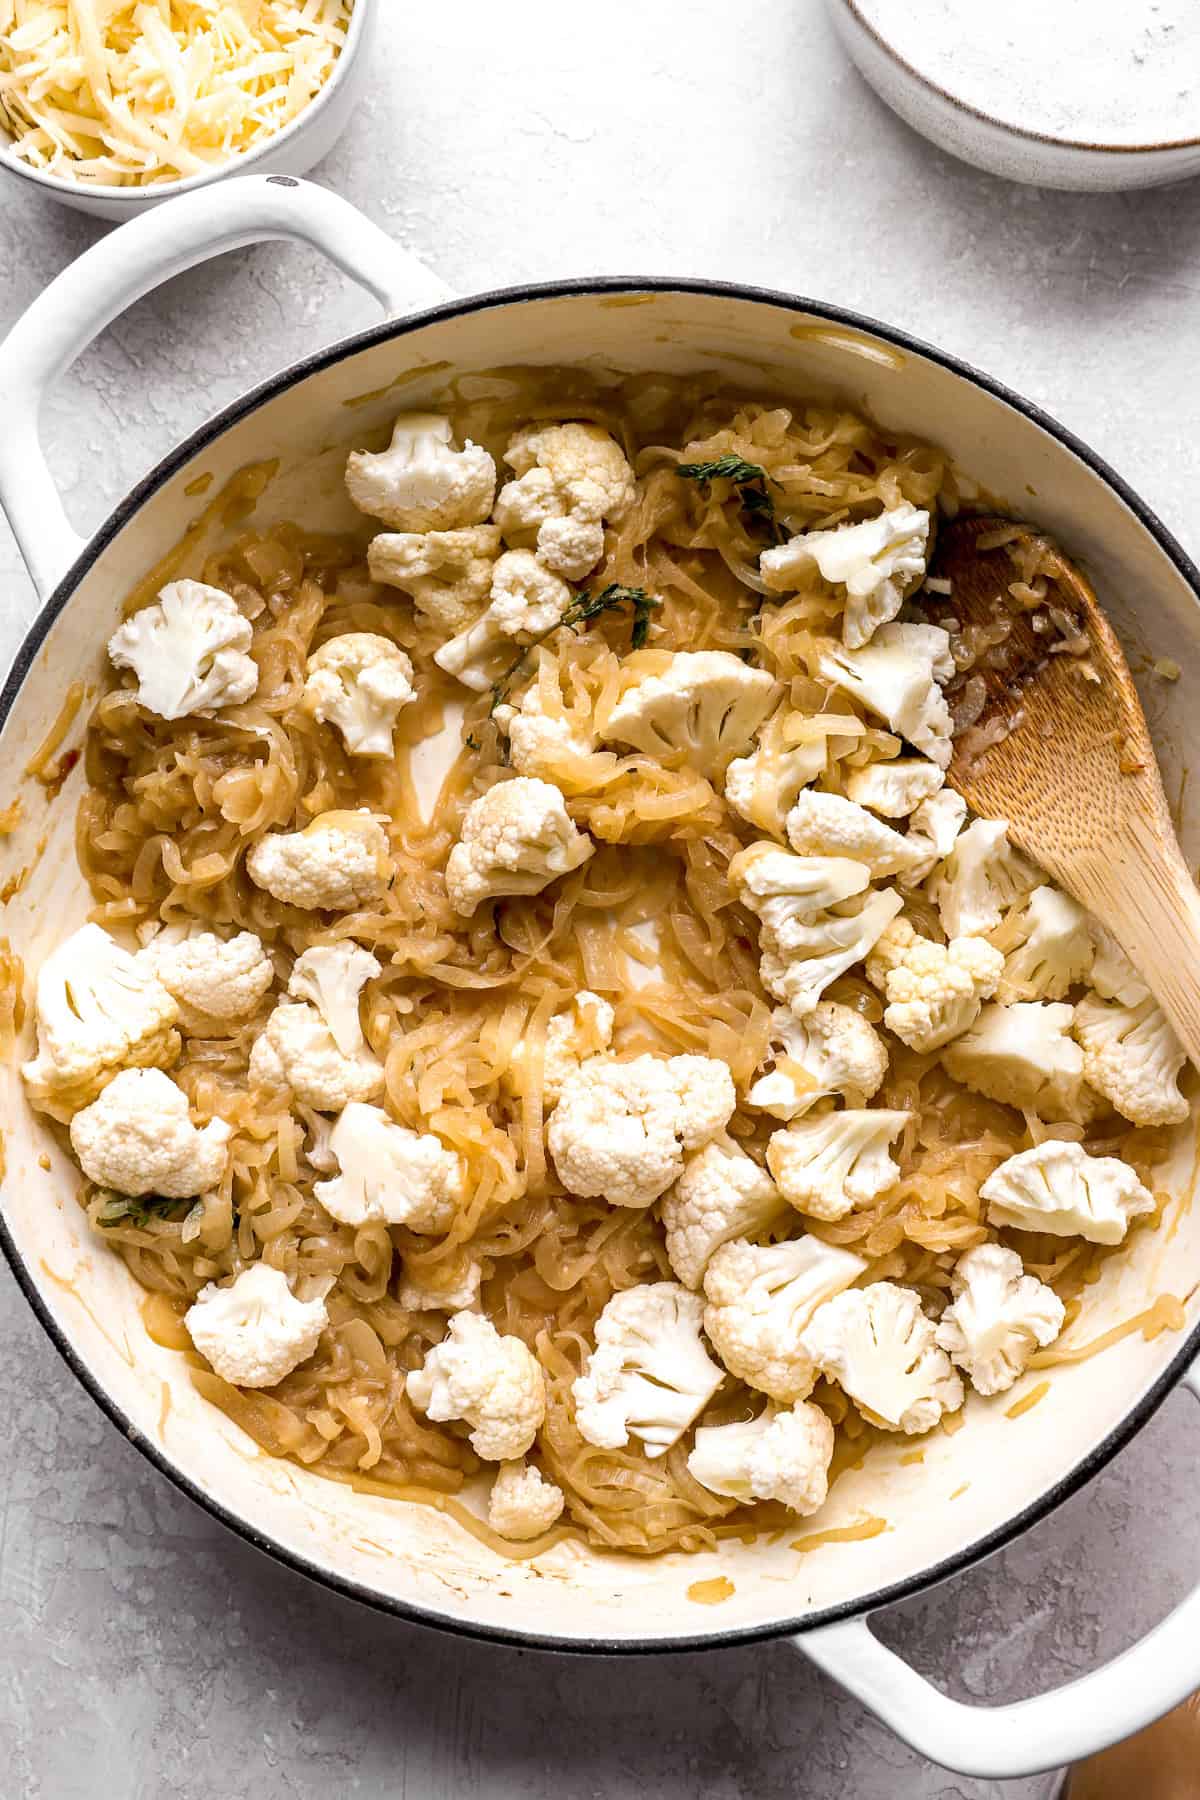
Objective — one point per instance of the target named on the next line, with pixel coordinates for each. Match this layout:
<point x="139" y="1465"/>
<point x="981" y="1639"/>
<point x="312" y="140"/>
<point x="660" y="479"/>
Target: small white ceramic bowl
<point x="293" y="151"/>
<point x="994" y="144"/>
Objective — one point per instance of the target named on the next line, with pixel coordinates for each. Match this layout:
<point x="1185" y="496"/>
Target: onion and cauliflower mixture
<point x="694" y="1089"/>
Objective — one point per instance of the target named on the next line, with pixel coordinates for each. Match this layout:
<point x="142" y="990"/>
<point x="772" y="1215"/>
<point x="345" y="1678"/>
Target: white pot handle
<point x="1002" y="1742"/>
<point x="128" y="263"/>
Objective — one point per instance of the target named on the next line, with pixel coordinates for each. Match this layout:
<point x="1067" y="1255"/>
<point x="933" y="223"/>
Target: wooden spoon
<point x="1075" y="775"/>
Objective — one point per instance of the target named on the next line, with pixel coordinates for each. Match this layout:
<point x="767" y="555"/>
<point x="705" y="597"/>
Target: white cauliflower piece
<point x="760" y="1300"/>
<point x="621" y="1129"/>
<point x="255" y="1331"/>
<point x="331" y="977"/>
<point x="138" y="1138"/>
<point x="831" y="1051"/>
<point x="359" y="682"/>
<point x="818" y="953"/>
<point x="934" y="991"/>
<point x="649" y="1374"/>
<point x="515" y="839"/>
<point x="878" y="1345"/>
<point x="550" y="745"/>
<point x="700" y="713"/>
<point x="415" y="1296"/>
<point x="982" y="878"/>
<point x="1113" y="975"/>
<point x="764" y="786"/>
<point x="896" y="676"/>
<point x="1057" y="1187"/>
<point x="188" y="651"/>
<point x="337" y="863"/>
<point x="571" y="479"/>
<point x="895" y="788"/>
<point x="522" y="1503"/>
<point x="722" y="1194"/>
<point x="827" y="1166"/>
<point x="1023" y="1056"/>
<point x="999" y="1316"/>
<point x="781" y="1456"/>
<point x="420" y="482"/>
<point x="97" y="1008"/>
<point x="1053" y="950"/>
<point x="447" y="573"/>
<point x="584" y="1030"/>
<point x="212" y="978"/>
<point x="387" y="1172"/>
<point x="493" y="1383"/>
<point x="878" y="561"/>
<point x="296" y="1049"/>
<point x="527" y="601"/>
<point x="932" y="834"/>
<point x="830" y="825"/>
<point x="1132" y="1056"/>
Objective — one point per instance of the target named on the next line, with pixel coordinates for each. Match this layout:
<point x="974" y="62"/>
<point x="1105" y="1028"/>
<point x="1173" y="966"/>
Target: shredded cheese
<point x="126" y="93"/>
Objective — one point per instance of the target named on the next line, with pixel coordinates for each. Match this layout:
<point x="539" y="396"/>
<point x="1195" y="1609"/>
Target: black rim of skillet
<point x="1087" y="1467"/>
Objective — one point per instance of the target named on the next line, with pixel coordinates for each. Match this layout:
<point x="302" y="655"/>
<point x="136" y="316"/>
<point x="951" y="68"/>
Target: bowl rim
<point x="57" y="186"/>
<point x="1021" y="133"/>
<point x="144" y="490"/>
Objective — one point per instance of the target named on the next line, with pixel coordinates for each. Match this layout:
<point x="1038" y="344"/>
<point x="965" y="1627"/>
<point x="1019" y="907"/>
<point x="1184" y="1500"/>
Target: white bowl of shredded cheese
<point x="1083" y="94"/>
<point x="112" y="105"/>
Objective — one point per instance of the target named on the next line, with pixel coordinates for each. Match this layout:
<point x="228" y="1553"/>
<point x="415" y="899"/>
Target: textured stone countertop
<point x="147" y="1653"/>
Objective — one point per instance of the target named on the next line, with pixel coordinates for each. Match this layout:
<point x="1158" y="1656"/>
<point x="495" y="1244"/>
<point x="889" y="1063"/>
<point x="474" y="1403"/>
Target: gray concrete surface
<point x="144" y="1651"/>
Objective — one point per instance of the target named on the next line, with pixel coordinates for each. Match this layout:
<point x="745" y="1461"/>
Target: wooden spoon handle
<point x="1139" y="886"/>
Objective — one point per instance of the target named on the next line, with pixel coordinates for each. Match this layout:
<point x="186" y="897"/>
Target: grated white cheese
<point x="131" y="92"/>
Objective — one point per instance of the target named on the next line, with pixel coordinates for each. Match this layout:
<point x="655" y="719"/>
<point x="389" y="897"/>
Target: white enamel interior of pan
<point x="968" y="1485"/>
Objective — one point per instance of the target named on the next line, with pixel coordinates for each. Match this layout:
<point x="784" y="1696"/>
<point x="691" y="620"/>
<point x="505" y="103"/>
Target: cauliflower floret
<point x="522" y="1503"/>
<point x="188" y="651"/>
<point x="138" y="1138"/>
<point x="584" y="1030"/>
<point x="1053" y="950"/>
<point x="255" y="1331"/>
<point x="554" y="746"/>
<point x="1023" y="1056"/>
<point x="983" y="876"/>
<point x="98" y="1008"/>
<point x="359" y="682"/>
<point x="448" y="573"/>
<point x="829" y="825"/>
<point x="388" y="1172"/>
<point x="527" y="602"/>
<point x="419" y="483"/>
<point x="722" y="1194"/>
<point x="934" y="991"/>
<point x="571" y="479"/>
<point x="493" y="1383"/>
<point x="932" y="834"/>
<point x="764" y="786"/>
<point x="895" y="788"/>
<point x="832" y="1051"/>
<point x="620" y="1129"/>
<point x="700" y="713"/>
<point x="878" y="561"/>
<point x="819" y="953"/>
<point x="331" y="977"/>
<point x="515" y="839"/>
<point x="781" y="1456"/>
<point x="337" y="863"/>
<point x="829" y="1165"/>
<point x="998" y="1318"/>
<point x="649" y="1374"/>
<point x="212" y="978"/>
<point x="415" y="1296"/>
<point x="789" y="893"/>
<point x="896" y="676"/>
<point x="1057" y="1187"/>
<point x="318" y="1049"/>
<point x="760" y="1300"/>
<point x="1132" y="1056"/>
<point x="1113" y="975"/>
<point x="878" y="1345"/>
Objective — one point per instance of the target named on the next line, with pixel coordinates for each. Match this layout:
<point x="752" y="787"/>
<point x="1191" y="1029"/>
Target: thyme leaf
<point x="751" y="480"/>
<point x="139" y="1210"/>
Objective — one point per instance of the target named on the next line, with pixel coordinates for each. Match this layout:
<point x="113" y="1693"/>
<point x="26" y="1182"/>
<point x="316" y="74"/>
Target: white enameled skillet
<point x="910" y="1524"/>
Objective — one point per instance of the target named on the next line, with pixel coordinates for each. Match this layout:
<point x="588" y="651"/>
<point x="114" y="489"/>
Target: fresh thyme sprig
<point x="751" y="480"/>
<point x="124" y="1209"/>
<point x="585" y="607"/>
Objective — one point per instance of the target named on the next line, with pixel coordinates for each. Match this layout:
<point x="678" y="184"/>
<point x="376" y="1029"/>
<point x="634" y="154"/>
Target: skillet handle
<point x="1029" y="1736"/>
<point x="130" y="262"/>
